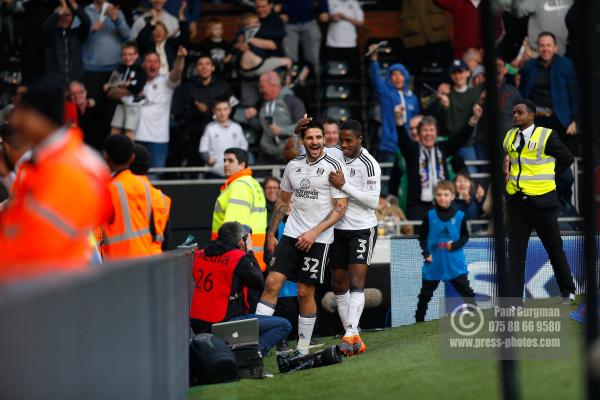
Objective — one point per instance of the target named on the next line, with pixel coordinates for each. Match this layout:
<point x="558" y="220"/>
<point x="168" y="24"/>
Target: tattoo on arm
<point x="339" y="208"/>
<point x="278" y="214"/>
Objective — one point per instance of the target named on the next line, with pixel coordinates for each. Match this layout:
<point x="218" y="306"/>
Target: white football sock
<point x="343" y="303"/>
<point x="306" y="323"/>
<point x="357" y="303"/>
<point x="264" y="308"/>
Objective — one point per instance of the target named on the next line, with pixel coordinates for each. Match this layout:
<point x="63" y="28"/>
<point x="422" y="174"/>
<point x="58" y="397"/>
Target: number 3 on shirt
<point x="307" y="266"/>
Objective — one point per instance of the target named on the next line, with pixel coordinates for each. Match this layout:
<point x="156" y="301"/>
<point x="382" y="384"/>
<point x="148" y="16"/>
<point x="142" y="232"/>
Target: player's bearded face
<point x="313" y="142"/>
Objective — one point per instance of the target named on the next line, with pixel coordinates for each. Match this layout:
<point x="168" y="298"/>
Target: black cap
<point x="46" y="98"/>
<point x="458" y="65"/>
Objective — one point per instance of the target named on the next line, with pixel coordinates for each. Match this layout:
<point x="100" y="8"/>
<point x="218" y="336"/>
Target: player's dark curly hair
<point x="312" y="124"/>
<point x="353" y="126"/>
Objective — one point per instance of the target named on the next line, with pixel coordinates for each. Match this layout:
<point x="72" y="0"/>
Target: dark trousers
<point x="523" y="217"/>
<point x="93" y="81"/>
<point x="460" y="284"/>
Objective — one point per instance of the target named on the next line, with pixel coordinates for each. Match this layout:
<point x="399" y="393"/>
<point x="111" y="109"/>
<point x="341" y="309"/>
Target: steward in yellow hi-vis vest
<point x="536" y="157"/>
<point x="242" y="199"/>
<point x="531" y="169"/>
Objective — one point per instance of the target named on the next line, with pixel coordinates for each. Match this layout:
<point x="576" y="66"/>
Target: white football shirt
<point x="363" y="186"/>
<point x="312" y="194"/>
<point x="335" y="152"/>
<point x="156" y="110"/>
<point x="343" y="34"/>
<point x="217" y="138"/>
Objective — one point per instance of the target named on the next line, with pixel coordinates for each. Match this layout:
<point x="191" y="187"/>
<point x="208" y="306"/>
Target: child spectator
<point x="443" y="234"/>
<point x="254" y="60"/>
<point x="126" y="84"/>
<point x="214" y="45"/>
<point x="468" y="200"/>
<point x="220" y="135"/>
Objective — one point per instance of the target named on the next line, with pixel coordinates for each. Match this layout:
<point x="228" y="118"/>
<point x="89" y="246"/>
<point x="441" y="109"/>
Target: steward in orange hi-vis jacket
<point x="128" y="234"/>
<point x="59" y="195"/>
<point x="161" y="203"/>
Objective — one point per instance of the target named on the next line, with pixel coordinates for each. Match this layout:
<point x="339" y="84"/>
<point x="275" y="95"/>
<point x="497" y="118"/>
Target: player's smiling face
<point x="349" y="143"/>
<point x="313" y="141"/>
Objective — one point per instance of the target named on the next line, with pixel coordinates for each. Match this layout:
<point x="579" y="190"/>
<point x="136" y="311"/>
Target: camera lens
<point x="333" y="355"/>
<point x="283" y="363"/>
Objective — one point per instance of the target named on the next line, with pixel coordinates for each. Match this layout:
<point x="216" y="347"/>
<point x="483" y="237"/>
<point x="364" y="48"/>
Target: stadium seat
<point x="342" y="111"/>
<point x="338" y="113"/>
<point x="337" y="68"/>
<point x="338" y="91"/>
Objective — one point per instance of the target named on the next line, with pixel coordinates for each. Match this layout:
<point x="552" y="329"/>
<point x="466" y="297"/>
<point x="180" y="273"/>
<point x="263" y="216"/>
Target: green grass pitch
<point x="404" y="363"/>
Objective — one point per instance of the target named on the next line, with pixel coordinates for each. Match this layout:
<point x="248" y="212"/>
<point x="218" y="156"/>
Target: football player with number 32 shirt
<point x="301" y="254"/>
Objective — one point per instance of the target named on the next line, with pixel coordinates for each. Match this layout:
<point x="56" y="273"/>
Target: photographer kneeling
<point x="222" y="271"/>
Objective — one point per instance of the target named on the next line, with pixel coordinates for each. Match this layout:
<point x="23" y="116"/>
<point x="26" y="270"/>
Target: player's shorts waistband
<point x="356" y="230"/>
<point x="296" y="239"/>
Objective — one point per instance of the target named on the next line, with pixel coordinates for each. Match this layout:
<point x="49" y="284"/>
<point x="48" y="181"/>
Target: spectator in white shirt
<point x="220" y="135"/>
<point x="345" y="17"/>
<point x="153" y="129"/>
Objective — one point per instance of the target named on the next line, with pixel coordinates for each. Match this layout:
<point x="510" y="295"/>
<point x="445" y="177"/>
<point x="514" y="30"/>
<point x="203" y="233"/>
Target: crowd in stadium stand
<point x="180" y="88"/>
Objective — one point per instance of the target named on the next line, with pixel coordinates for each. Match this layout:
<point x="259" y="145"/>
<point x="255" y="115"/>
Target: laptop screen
<point x="237" y="333"/>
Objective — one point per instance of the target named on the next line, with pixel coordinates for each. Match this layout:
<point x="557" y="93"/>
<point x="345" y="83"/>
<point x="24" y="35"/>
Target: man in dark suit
<point x="550" y="82"/>
<point x="536" y="156"/>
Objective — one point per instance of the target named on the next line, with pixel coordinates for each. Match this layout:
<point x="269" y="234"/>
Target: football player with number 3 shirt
<point x="301" y="254"/>
<point x="355" y="233"/>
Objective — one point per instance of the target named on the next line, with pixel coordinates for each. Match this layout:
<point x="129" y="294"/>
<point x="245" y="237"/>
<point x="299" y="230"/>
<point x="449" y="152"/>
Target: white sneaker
<point x="267" y="374"/>
<point x="570" y="299"/>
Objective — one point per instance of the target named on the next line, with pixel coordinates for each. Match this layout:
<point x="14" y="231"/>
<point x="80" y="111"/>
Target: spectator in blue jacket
<point x="393" y="92"/>
<point x="109" y="31"/>
<point x="550" y="82"/>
